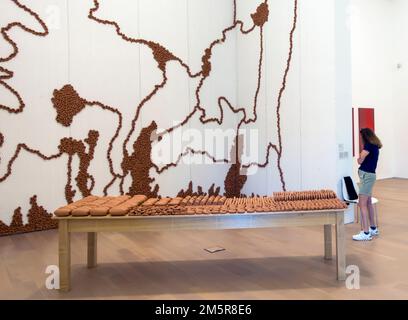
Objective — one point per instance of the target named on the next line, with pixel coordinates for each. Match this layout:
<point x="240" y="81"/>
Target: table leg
<point x="340" y="247"/>
<point x="64" y="252"/>
<point x="328" y="241"/>
<point x="92" y="249"/>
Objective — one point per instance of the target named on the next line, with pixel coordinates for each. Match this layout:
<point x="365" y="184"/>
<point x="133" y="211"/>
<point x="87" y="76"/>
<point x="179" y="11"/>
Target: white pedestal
<point x="349" y="214"/>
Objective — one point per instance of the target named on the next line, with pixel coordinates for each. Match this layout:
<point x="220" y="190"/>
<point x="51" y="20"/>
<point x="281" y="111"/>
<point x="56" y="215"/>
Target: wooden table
<point x="93" y="225"/>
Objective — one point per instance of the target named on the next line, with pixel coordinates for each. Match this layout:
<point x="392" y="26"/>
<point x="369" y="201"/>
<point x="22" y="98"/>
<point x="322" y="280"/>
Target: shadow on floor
<point x="199" y="276"/>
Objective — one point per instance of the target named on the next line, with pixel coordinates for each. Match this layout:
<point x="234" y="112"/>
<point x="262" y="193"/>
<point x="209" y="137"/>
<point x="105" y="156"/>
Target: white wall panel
<point x="373" y="66"/>
<point x="319" y="150"/>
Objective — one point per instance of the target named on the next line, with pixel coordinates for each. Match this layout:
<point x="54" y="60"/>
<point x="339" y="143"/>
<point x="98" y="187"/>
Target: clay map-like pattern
<point x="127" y="149"/>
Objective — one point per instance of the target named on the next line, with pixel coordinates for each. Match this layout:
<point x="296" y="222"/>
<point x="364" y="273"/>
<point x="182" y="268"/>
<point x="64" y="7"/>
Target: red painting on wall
<point x="366" y="119"/>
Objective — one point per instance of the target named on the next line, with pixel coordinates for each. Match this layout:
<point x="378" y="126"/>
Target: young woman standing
<point x="367" y="172"/>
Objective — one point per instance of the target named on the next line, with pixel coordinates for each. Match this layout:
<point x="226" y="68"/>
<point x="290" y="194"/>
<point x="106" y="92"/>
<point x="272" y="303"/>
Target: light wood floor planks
<point x="279" y="263"/>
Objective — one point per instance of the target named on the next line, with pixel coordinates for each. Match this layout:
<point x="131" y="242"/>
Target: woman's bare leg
<point x="371" y="212"/>
<point x="362" y="203"/>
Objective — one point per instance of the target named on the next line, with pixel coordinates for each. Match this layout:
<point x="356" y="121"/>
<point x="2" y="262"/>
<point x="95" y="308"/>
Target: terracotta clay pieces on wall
<point x="6" y="74"/>
<point x="38" y="219"/>
<point x="140" y="205"/>
<point x="138" y="164"/>
<point x="67" y="103"/>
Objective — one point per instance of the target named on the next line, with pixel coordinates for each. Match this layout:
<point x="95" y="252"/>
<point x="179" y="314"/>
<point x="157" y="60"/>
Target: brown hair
<point x="369" y="136"/>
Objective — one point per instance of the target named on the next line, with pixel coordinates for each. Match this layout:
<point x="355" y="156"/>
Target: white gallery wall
<point x="379" y="33"/>
<point x="102" y="67"/>
<point x="400" y="90"/>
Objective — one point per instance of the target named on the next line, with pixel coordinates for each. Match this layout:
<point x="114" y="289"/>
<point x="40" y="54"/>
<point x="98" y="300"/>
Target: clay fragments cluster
<point x="38" y="219"/>
<point x="68" y="104"/>
<point x="304" y="195"/>
<point x="309" y="205"/>
<point x="141" y="205"/>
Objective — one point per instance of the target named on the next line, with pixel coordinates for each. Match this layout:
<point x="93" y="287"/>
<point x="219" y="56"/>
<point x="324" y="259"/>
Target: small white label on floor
<point x="214" y="249"/>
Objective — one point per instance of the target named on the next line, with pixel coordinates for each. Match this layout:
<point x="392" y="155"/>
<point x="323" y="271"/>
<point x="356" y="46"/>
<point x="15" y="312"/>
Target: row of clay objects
<point x="326" y="200"/>
<point x="176" y="210"/>
<point x="164" y="206"/>
<point x="251" y="202"/>
<point x="304" y="195"/>
<point x="203" y="200"/>
<point x="141" y="205"/>
<point x="307" y="205"/>
<point x="186" y="201"/>
<point x="224" y="209"/>
<point x="188" y="205"/>
<point x="157" y="210"/>
<point x="232" y="206"/>
<point x="195" y="210"/>
<point x="250" y="205"/>
<point x="237" y="209"/>
<point x="207" y="209"/>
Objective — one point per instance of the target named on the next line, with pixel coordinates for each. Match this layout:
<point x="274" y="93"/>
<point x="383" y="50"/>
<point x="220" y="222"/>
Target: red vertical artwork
<point x="365" y="120"/>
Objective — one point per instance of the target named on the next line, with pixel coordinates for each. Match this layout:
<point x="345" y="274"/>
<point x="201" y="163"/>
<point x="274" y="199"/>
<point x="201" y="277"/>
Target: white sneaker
<point x="362" y="237"/>
<point x="374" y="232"/>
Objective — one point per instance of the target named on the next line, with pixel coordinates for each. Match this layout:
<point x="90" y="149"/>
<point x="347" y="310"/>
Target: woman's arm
<point x="363" y="155"/>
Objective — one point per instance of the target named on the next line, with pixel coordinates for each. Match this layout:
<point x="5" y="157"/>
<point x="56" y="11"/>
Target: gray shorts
<point x="367" y="180"/>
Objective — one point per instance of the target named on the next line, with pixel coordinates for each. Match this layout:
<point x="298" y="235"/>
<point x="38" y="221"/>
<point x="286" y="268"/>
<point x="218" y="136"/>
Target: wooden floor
<point x="257" y="264"/>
